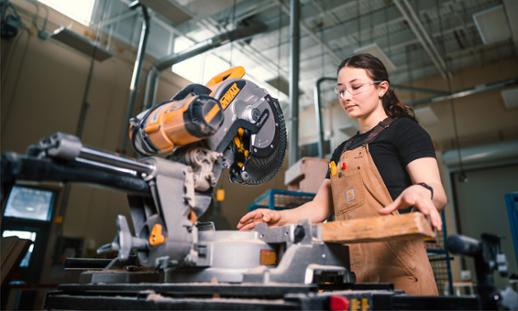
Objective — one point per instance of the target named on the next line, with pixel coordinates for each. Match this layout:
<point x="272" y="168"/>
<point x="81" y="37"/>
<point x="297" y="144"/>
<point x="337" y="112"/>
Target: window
<point x="30" y="203"/>
<point x="79" y="10"/>
<point x="202" y="67"/>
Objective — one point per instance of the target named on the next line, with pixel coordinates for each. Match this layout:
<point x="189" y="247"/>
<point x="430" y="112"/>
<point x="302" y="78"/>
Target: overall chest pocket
<point x="348" y="193"/>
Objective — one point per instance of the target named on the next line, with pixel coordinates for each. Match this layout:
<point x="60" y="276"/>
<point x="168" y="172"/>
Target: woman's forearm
<point x="439" y="196"/>
<point x="316" y="210"/>
<point x="309" y="210"/>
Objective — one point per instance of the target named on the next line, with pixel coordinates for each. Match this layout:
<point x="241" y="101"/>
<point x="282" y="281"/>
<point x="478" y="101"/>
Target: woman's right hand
<point x="248" y="222"/>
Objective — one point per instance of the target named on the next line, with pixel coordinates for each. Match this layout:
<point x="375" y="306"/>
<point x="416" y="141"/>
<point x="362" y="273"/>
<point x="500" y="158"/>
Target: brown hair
<point x="376" y="70"/>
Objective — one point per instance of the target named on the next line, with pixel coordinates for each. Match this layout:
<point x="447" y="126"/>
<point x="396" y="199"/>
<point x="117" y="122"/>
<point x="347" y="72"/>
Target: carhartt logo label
<point x="229" y="95"/>
<point x="350" y="195"/>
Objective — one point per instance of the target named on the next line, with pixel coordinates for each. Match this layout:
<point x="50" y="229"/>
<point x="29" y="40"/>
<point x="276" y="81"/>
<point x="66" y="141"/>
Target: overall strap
<point x="380" y="127"/>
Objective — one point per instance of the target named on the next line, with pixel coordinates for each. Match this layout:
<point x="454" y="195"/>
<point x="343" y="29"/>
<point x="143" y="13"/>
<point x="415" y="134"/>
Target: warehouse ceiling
<point x="415" y="38"/>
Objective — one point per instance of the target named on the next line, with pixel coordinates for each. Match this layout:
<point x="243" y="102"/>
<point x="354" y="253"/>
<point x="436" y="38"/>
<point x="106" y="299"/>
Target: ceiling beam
<point x="241" y="11"/>
<point x="397" y="45"/>
<point x="417" y="28"/>
<point x="310" y="32"/>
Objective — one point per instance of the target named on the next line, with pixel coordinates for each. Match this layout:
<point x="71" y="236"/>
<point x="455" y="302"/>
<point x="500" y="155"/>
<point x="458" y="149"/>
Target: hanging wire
<point x="109" y="31"/>
<point x="322" y="50"/>
<point x="409" y="70"/>
<point x="36" y="15"/>
<point x="98" y="32"/>
<point x="10" y="46"/>
<point x="371" y="26"/>
<point x="462" y="173"/>
<point x="279" y="27"/>
<point x="472" y="38"/>
<point x="387" y="27"/>
<point x="359" y="19"/>
<point x="233" y="25"/>
<point x="18" y="70"/>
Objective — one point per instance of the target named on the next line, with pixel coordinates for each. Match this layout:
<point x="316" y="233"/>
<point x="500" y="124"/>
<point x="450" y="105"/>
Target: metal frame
<point x="295" y="23"/>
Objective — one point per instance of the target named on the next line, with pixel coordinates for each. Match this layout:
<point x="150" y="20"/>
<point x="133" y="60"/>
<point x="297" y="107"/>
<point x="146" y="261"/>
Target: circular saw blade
<point x="265" y="161"/>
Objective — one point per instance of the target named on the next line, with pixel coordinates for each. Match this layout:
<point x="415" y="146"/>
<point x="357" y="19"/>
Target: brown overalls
<point x="358" y="192"/>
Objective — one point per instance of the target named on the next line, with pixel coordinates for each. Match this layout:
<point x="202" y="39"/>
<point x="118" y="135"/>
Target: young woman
<point x="387" y="167"/>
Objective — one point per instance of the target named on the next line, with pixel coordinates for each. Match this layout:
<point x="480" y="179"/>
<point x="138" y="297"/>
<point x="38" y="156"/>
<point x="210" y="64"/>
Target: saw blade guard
<point x="253" y="133"/>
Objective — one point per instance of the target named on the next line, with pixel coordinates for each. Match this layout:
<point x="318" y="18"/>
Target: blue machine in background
<point x="511" y="203"/>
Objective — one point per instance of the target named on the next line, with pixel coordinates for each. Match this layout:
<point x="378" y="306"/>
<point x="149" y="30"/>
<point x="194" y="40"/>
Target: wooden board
<point x="406" y="226"/>
<point x="13" y="251"/>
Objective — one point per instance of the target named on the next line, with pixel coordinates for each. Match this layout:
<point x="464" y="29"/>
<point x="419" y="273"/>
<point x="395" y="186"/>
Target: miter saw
<point x="186" y="142"/>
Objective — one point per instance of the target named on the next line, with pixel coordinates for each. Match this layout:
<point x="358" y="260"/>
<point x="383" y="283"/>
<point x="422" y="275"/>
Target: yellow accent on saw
<point x="156" y="237"/>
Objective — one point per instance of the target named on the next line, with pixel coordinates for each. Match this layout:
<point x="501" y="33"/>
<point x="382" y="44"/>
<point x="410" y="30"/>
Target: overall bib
<point x="359" y="192"/>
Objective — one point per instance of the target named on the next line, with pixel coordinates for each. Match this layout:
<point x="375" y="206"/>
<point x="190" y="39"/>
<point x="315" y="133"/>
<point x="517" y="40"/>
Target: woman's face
<point x="358" y="94"/>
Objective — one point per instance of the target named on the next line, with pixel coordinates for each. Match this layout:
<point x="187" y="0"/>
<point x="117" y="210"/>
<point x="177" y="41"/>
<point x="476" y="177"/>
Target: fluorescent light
<point x="510" y="97"/>
<point x="492" y="25"/>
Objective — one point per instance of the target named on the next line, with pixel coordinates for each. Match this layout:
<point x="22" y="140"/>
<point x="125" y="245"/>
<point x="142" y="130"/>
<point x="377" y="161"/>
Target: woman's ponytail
<point x="394" y="107"/>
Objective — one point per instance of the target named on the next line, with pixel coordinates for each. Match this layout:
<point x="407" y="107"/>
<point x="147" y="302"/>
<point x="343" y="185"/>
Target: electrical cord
<point x="42" y="34"/>
<point x="12" y="96"/>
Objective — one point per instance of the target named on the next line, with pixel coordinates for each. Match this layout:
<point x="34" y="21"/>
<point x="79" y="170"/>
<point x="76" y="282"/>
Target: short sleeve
<point x="412" y="141"/>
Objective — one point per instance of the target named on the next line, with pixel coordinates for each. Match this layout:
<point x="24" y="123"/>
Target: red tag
<point x="338" y="303"/>
<point x="344" y="166"/>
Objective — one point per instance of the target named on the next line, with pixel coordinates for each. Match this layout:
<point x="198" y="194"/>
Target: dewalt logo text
<point x="229" y="95"/>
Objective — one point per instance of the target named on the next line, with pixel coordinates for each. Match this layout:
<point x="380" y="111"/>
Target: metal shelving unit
<point x="441" y="260"/>
<point x="279" y="199"/>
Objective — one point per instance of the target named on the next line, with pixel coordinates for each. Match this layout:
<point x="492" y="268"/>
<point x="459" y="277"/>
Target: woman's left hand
<point x="418" y="197"/>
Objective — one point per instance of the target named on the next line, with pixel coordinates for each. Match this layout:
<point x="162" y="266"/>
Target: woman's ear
<point x="383" y="88"/>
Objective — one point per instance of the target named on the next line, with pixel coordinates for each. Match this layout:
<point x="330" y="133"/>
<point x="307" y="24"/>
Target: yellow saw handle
<point x="233" y="73"/>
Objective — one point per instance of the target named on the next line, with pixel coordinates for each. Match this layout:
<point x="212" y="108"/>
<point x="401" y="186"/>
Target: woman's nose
<point x="346" y="96"/>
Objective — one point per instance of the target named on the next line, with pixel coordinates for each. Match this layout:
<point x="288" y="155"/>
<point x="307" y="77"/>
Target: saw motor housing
<point x="230" y="115"/>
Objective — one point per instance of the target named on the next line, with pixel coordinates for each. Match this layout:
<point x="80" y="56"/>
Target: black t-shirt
<point x="399" y="144"/>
